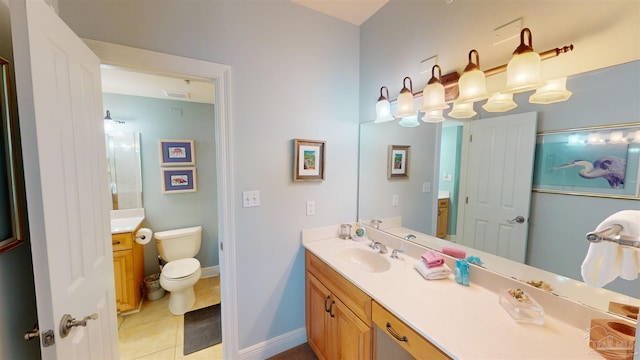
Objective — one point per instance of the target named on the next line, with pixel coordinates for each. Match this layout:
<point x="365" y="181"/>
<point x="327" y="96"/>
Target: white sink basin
<point x="364" y="259"/>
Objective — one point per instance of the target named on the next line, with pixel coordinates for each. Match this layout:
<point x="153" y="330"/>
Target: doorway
<point x="127" y="57"/>
<point x="139" y="109"/>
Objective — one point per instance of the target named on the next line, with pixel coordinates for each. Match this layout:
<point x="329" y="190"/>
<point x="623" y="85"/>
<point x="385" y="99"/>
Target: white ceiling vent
<point x="176" y="94"/>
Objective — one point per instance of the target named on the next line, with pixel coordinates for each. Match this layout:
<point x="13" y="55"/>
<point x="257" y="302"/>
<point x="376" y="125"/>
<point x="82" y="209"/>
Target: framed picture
<point x="12" y="194"/>
<point x="599" y="161"/>
<point x="309" y="160"/>
<point x="177" y="152"/>
<point x="179" y="180"/>
<point x="398" y="162"/>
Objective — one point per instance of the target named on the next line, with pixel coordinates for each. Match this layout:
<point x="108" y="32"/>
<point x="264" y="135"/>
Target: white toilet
<point x="181" y="271"/>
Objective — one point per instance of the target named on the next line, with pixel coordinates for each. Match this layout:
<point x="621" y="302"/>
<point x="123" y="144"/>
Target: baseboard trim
<point x="275" y="345"/>
<point x="210" y="271"/>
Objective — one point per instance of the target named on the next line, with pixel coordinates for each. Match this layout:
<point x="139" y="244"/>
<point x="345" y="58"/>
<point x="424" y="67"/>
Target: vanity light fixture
<point x="595" y="139"/>
<point x="523" y="74"/>
<point x="108" y="118"/>
<point x="462" y="110"/>
<point x="472" y="83"/>
<point x="433" y="93"/>
<point x="554" y="91"/>
<point x="523" y="70"/>
<point x="636" y="137"/>
<point x="383" y="107"/>
<point x="405" y="100"/>
<point x="500" y="102"/>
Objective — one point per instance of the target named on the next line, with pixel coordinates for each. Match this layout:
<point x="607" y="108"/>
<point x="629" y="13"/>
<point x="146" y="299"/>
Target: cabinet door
<point x="350" y="336"/>
<point x="317" y="302"/>
<point x="123" y="274"/>
<point x="443" y="216"/>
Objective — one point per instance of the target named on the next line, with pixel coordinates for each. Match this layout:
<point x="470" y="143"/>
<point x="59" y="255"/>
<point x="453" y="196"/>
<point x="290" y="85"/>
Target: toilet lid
<point x="180" y="268"/>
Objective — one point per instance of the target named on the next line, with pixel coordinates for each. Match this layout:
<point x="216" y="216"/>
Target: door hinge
<point x="471" y="138"/>
<point x="48" y="338"/>
<point x="221" y="247"/>
<point x="466" y="200"/>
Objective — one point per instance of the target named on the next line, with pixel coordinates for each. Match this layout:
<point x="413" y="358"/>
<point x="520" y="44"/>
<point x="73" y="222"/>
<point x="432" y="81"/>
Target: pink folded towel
<point x="432" y="259"/>
<point x="456" y="253"/>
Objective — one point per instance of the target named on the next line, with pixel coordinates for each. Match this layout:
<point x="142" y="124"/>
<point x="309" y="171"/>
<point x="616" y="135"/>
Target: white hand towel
<point x="607" y="260"/>
<point x="434" y="273"/>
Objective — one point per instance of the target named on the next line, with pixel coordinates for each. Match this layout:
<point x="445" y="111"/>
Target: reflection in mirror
<point x="124" y="168"/>
<point x="556" y="244"/>
<point x="12" y="196"/>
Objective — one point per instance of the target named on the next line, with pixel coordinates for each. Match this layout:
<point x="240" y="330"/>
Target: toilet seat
<point x="182" y="268"/>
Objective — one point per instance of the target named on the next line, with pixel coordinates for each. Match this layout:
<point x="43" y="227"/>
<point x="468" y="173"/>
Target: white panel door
<point x="60" y="107"/>
<point x="498" y="185"/>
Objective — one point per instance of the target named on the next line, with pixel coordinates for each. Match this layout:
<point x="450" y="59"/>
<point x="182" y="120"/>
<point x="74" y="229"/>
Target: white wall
<point x="295" y="75"/>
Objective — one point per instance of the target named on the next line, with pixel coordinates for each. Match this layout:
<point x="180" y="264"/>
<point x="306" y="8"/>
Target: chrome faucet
<point x="376" y="223"/>
<point x="394" y="253"/>
<point x="409" y="237"/>
<point x="380" y="246"/>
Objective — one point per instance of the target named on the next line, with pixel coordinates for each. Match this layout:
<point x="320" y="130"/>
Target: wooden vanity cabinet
<point x="128" y="269"/>
<point x="443" y="218"/>
<point x="403" y="335"/>
<point x="338" y="314"/>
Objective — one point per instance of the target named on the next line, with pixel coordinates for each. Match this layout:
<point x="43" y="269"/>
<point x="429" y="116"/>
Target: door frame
<point x="166" y="64"/>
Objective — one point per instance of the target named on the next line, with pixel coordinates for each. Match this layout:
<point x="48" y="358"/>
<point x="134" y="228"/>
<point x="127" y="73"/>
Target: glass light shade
<point x="462" y="111"/>
<point x="383" y="111"/>
<point x="500" y="102"/>
<point x="523" y="72"/>
<point x="617" y="137"/>
<point x="409" y="121"/>
<point x="553" y="91"/>
<point x="433" y="116"/>
<point x="433" y="97"/>
<point x="472" y="86"/>
<point x="594" y="139"/>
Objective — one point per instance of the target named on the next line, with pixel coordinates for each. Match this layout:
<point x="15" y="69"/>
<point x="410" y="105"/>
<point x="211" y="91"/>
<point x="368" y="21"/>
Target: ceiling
<point x="352" y="11"/>
<point x="123" y="81"/>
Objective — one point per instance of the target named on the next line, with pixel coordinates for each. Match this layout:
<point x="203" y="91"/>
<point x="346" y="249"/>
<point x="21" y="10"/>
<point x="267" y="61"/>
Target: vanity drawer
<point x="354" y="298"/>
<point x="122" y="241"/>
<point x="443" y="203"/>
<point x="415" y="344"/>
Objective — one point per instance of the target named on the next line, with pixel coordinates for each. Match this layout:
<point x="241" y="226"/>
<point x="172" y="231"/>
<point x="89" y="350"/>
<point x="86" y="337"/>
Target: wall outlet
<point x="311" y="208"/>
<point x="250" y="198"/>
<point x="395" y="200"/>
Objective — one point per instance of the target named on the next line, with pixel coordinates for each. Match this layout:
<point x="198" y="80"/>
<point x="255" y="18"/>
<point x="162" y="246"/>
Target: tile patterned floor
<point x="155" y="333"/>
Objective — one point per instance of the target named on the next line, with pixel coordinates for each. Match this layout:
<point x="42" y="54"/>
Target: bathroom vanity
<point x="128" y="259"/>
<point x="364" y="305"/>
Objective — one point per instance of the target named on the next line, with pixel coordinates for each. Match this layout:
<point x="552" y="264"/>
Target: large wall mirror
<point x="556" y="222"/>
<point x="123" y="167"/>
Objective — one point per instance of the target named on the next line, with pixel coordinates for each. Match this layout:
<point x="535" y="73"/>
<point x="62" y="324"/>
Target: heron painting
<point x="610" y="168"/>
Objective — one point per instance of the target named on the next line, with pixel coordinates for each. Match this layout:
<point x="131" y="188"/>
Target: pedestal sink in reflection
<point x="364" y="259"/>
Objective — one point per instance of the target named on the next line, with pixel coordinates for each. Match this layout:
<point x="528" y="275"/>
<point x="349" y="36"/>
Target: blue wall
<point x="157" y="119"/>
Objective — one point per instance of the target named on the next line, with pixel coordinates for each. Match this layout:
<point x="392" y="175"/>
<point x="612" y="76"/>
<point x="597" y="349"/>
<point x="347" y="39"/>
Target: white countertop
<point x="126" y="221"/>
<point x="464" y="322"/>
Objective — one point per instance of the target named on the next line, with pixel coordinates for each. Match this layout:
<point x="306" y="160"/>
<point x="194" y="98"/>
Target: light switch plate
<point x="395" y="200"/>
<point x="250" y="198"/>
<point x="311" y="208"/>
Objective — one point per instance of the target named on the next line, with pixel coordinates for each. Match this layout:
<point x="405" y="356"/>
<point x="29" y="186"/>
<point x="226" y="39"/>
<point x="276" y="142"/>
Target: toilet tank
<point x="179" y="243"/>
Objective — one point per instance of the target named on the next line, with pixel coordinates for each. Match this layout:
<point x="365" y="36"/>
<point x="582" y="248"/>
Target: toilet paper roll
<point x="143" y="236"/>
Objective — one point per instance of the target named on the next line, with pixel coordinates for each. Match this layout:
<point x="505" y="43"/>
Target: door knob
<point x="518" y="219"/>
<point x="34" y="333"/>
<point x="67" y="323"/>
